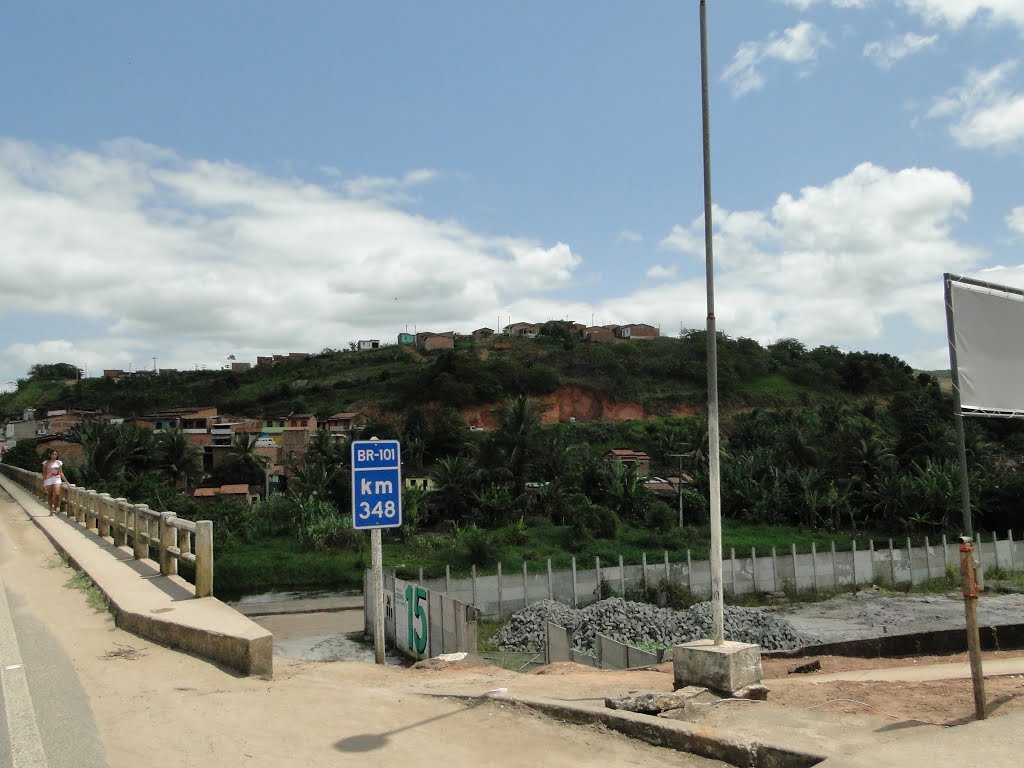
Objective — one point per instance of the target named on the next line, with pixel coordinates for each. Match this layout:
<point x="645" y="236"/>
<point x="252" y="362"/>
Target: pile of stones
<point x="643" y="624"/>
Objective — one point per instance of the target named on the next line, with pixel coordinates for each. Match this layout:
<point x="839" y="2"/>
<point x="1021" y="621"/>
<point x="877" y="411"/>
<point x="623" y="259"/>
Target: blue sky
<point x="199" y="180"/>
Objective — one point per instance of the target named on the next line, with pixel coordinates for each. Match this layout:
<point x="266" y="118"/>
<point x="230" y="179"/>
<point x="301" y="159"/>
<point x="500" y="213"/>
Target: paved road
<point x="47" y="721"/>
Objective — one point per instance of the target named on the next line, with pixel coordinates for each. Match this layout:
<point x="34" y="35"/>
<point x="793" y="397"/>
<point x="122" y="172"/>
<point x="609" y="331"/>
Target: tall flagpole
<point x="714" y="471"/>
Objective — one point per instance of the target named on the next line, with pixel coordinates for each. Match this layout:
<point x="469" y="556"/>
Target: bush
<point x="323" y="528"/>
<point x="660" y="517"/>
<point x="477" y="546"/>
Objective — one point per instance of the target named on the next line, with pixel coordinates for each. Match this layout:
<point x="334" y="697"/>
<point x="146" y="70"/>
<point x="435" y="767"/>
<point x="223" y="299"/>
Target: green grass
<point x="93" y="597"/>
<point x="283" y="564"/>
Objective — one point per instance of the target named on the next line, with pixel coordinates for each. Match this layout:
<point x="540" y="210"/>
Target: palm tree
<point x="452" y="487"/>
<point x="243" y="464"/>
<point x="520" y="424"/>
<point x="180" y="459"/>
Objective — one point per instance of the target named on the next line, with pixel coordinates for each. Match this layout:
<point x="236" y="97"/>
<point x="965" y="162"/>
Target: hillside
<point x="661" y="377"/>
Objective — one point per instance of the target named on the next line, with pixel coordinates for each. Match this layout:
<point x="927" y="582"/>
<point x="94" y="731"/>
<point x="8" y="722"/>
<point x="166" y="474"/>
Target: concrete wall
<point x="743" y="573"/>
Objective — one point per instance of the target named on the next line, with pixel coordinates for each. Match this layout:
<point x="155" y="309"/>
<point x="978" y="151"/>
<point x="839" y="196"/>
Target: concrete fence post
<point x="140" y="549"/>
<point x="499" y="590"/>
<point x="995" y="547"/>
<point x="447" y="579"/>
<point x="835" y="572"/>
<point x="853" y="550"/>
<point x="574" y="594"/>
<point x="526" y="592"/>
<point x="775" y="571"/>
<point x="814" y="565"/>
<point x="668" y="570"/>
<point x="551" y="583"/>
<point x="168" y="539"/>
<point x="204" y="558"/>
<point x="597" y="571"/>
<point x="732" y="567"/>
<point x="927" y="559"/>
<point x="753" y="567"/>
<point x="71" y="499"/>
<point x="643" y="571"/>
<point x="945" y="554"/>
<point x="421" y="575"/>
<point x="689" y="573"/>
<point x="871" y="560"/>
<point x="82" y="511"/>
<point x="120" y="521"/>
<point x="796" y="573"/>
<point x="104" y="507"/>
<point x="472" y="575"/>
<point x="622" y="578"/>
<point x="910" y="561"/>
<point x="892" y="563"/>
<point x="1009" y="540"/>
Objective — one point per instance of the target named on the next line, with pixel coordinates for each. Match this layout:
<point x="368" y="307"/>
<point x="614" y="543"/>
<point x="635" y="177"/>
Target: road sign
<point x="376" y="484"/>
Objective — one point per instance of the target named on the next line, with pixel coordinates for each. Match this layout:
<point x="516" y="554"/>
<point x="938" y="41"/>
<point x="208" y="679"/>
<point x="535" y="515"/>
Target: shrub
<point x="660" y="516"/>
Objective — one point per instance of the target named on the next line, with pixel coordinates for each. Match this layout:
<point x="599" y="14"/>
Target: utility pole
<point x="714" y="469"/>
<point x="154" y="365"/>
<point x="679" y="484"/>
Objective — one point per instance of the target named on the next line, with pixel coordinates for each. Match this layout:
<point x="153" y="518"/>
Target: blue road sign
<point x="376" y="484"/>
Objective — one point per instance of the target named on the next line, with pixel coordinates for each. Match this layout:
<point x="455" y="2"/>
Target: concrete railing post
<point x="104" y="507"/>
<point x="168" y="539"/>
<point x="120" y="521"/>
<point x="204" y="558"/>
<point x="140" y="540"/>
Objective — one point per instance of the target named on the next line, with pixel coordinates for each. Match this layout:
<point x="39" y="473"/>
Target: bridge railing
<point x="172" y="538"/>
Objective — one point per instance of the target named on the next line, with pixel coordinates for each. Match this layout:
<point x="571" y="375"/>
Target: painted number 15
<point x="414" y="599"/>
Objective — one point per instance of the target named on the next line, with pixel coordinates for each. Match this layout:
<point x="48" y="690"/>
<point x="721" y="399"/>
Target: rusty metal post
<point x="971" y="612"/>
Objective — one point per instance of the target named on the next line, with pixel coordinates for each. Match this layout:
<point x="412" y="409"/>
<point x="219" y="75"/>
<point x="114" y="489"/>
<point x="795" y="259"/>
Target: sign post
<point x="376" y="504"/>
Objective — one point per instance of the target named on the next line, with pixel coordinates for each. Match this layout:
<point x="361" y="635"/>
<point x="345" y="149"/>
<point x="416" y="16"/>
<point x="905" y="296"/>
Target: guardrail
<point x="173" y="538"/>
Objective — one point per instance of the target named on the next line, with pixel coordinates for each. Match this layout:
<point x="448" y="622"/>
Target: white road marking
<point x="26" y="743"/>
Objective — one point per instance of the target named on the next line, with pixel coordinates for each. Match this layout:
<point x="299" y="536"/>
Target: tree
<point x="453" y="488"/>
<point x="178" y="458"/>
<point x="520" y="424"/>
<point x="243" y="464"/>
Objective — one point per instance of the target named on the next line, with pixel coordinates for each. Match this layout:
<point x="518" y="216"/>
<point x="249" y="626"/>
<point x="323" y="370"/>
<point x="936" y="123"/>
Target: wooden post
<point x="204" y="558"/>
<point x="168" y="539"/>
<point x="971" y="614"/>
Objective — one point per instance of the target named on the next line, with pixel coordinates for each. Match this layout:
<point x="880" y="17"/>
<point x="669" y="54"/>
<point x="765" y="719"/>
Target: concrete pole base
<point x="725" y="669"/>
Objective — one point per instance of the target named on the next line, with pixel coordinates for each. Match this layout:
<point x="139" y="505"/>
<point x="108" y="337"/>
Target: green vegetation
<point x="93" y="597"/>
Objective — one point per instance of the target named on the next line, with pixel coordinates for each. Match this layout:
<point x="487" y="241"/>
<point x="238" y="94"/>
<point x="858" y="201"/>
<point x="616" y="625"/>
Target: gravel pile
<point x="642" y="624"/>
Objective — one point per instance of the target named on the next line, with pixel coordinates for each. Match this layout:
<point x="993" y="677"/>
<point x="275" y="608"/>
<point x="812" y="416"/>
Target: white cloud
<point x="832" y="263"/>
<point x="193" y="260"/>
<point x="630" y="236"/>
<point x="803" y="5"/>
<point x="956" y="13"/>
<point x="986" y="111"/>
<point x="796" y="45"/>
<point x="660" y="271"/>
<point x="885" y="54"/>
<point x="1015" y="220"/>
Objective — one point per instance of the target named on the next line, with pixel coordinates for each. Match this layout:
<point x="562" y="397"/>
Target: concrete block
<point x="611" y="654"/>
<point x="726" y="668"/>
<point x="578" y="657"/>
<point x="558" y="645"/>
<point x="636" y="657"/>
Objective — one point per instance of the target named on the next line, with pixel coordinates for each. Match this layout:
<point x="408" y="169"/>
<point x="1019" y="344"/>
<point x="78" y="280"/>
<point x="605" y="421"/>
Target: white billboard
<point x="986" y="327"/>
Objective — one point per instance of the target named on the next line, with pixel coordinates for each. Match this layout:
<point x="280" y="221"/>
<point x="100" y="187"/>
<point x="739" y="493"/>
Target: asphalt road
<point x="46" y="720"/>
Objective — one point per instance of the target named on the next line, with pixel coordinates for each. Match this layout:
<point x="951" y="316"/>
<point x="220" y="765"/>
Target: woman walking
<point x="53" y="474"/>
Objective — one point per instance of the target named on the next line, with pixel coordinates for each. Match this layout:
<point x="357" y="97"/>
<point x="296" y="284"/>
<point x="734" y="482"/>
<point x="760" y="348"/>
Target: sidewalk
<point x="160" y="608"/>
<point x="916" y="673"/>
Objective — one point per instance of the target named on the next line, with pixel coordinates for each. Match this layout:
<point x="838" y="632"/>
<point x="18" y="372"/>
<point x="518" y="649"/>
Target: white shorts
<point x="51" y="481"/>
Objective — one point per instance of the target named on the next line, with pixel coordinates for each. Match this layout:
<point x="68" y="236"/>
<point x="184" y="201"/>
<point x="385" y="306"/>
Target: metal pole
<point x="377" y="562"/>
<point x="717" y="599"/>
<point x="971" y="615"/>
<point x="958" y="416"/>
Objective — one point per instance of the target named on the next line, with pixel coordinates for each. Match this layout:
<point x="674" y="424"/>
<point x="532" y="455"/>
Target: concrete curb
<point x="163" y="609"/>
<point x="702" y="740"/>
